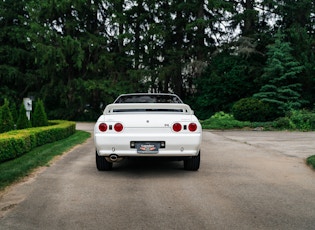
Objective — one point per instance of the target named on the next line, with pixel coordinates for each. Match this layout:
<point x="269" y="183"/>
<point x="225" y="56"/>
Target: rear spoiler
<point x="148" y="107"/>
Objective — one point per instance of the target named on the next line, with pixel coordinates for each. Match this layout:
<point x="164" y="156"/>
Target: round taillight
<point x="118" y="127"/>
<point x="177" y="127"/>
<point x="102" y="127"/>
<point x="192" y="127"/>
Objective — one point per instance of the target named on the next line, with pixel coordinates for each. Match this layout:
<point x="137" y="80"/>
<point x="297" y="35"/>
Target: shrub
<point x="6" y="120"/>
<point x="251" y="109"/>
<point x="14" y="112"/>
<point x="302" y="120"/>
<point x="222" y="115"/>
<point x="282" y="123"/>
<point x="23" y="122"/>
<point x="221" y="120"/>
<point x="16" y="143"/>
<point x="311" y="161"/>
<point x="39" y="116"/>
<point x="296" y="120"/>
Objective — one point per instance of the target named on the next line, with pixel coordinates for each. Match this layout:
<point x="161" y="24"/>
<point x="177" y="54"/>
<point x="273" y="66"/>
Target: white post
<point x="28" y="107"/>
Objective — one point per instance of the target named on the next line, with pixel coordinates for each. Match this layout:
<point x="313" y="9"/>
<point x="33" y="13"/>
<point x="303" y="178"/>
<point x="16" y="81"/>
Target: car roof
<point x="148" y="98"/>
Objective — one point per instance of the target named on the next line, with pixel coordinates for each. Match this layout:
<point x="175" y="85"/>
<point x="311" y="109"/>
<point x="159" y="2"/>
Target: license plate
<point x="148" y="147"/>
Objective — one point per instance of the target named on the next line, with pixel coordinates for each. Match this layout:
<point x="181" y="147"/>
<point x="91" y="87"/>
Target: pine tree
<point x="17" y="66"/>
<point x="282" y="88"/>
<point x="23" y="122"/>
<point x="39" y="117"/>
<point x="6" y="120"/>
<point x="14" y="112"/>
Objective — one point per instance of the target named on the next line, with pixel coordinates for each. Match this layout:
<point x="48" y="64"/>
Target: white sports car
<point x="147" y="125"/>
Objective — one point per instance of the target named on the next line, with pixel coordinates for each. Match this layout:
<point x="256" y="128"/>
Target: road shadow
<point x="154" y="167"/>
<point x="148" y="164"/>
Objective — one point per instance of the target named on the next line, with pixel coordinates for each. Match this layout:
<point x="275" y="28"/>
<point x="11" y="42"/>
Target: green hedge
<point x="18" y="142"/>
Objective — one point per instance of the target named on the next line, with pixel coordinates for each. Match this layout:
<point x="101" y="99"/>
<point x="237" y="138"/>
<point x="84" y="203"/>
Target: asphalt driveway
<point x="247" y="180"/>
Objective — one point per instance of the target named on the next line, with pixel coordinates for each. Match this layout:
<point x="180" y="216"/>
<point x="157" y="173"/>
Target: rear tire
<point x="193" y="163"/>
<point x="102" y="164"/>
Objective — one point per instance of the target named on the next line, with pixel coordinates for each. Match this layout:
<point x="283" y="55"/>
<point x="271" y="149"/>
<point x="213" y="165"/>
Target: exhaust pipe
<point x="113" y="157"/>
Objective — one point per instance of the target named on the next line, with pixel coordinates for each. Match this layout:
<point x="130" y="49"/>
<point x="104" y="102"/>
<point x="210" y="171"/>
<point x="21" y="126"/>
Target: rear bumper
<point x="176" y="145"/>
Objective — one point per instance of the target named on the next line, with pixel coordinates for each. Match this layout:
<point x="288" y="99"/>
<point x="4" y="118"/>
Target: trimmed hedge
<point x="18" y="142"/>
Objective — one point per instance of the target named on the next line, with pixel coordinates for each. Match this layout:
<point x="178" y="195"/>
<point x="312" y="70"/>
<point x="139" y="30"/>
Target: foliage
<point x="282" y="123"/>
<point x="282" y="88"/>
<point x="302" y="120"/>
<point x="227" y="79"/>
<point x="23" y="122"/>
<point x="16" y="143"/>
<point x="6" y="120"/>
<point x="301" y="41"/>
<point x="13" y="111"/>
<point x="222" y="116"/>
<point x="39" y="117"/>
<point x="17" y="168"/>
<point x="77" y="56"/>
<point x="251" y="109"/>
<point x="311" y="161"/>
<point x="221" y="120"/>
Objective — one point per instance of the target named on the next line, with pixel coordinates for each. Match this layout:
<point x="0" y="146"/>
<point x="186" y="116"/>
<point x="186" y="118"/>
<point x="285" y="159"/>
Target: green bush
<point x="14" y="112"/>
<point x="311" y="161"/>
<point x="221" y="120"/>
<point x="39" y="117"/>
<point x="16" y="143"/>
<point x="6" y="120"/>
<point x="22" y="121"/>
<point x="282" y="123"/>
<point x="222" y="115"/>
<point x="302" y="120"/>
<point x="251" y="109"/>
<point x="296" y="120"/>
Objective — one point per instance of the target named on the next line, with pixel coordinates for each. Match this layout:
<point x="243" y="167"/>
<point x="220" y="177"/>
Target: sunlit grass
<point x="311" y="161"/>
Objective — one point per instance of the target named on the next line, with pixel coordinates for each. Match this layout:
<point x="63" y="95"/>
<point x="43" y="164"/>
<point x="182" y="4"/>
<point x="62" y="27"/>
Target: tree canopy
<point x="77" y="56"/>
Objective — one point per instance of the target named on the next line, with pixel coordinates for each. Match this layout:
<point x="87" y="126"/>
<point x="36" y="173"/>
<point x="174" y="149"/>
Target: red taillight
<point x="118" y="127"/>
<point x="177" y="127"/>
<point x="102" y="127"/>
<point x="192" y="127"/>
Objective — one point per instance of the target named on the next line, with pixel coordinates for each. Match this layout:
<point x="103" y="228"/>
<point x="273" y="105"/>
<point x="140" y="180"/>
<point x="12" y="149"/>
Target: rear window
<point x="147" y="98"/>
<point x="148" y="110"/>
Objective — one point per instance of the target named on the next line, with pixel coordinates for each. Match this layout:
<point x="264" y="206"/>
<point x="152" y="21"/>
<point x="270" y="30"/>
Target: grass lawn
<point x="13" y="170"/>
<point x="311" y="161"/>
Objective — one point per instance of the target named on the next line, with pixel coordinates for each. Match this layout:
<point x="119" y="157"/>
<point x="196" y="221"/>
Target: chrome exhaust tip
<point x="113" y="157"/>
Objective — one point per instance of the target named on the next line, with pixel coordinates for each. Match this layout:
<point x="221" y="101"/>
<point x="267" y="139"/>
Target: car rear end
<point x="147" y="130"/>
<point x="173" y="135"/>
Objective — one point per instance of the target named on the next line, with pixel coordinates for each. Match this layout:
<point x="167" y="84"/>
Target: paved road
<point x="247" y="180"/>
